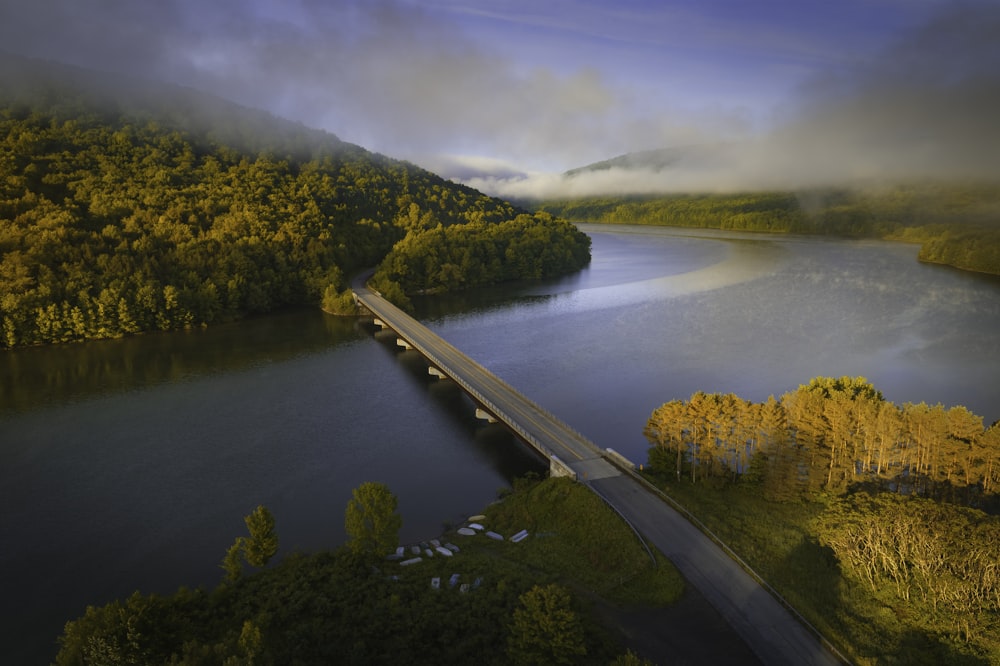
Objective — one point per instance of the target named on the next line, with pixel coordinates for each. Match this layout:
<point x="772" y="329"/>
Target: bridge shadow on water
<point x="492" y="442"/>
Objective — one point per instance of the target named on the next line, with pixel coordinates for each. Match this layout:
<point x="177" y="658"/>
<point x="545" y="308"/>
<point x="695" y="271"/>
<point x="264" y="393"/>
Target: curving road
<point x="769" y="629"/>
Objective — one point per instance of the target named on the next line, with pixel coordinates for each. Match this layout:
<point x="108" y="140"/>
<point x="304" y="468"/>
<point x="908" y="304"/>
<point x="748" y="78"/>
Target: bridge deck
<point x="543" y="431"/>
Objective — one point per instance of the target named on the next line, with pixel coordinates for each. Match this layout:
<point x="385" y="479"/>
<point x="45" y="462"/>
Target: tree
<point x="257" y="549"/>
<point x="665" y="429"/>
<point x="546" y="629"/>
<point x="232" y="563"/>
<point x="263" y="542"/>
<point x="371" y="520"/>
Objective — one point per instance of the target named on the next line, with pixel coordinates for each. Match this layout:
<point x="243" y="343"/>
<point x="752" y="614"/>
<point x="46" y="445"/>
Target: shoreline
<point x="743" y="234"/>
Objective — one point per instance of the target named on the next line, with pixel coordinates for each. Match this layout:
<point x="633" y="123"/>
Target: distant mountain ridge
<point x="693" y="156"/>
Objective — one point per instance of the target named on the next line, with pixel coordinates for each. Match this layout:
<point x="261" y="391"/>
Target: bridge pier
<point x="400" y="342"/>
<point x="378" y="322"/>
<point x="485" y="415"/>
<point x="434" y="372"/>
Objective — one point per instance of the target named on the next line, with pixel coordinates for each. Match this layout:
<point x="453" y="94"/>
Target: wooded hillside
<point x="128" y="207"/>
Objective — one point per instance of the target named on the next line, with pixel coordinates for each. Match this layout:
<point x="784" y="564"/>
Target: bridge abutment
<point x="558" y="468"/>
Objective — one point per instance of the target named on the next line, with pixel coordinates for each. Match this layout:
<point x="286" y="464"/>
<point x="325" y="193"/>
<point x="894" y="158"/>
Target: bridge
<point x="771" y="629"/>
<point x="568" y="452"/>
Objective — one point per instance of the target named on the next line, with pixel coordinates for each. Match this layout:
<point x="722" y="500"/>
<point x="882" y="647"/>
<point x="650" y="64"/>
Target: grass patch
<point x="576" y="539"/>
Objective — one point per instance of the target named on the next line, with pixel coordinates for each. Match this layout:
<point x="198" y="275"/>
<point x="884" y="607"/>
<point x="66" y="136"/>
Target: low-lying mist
<point x="926" y="110"/>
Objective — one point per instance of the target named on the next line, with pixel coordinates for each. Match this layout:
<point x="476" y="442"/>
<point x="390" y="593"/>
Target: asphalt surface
<point x="769" y="629"/>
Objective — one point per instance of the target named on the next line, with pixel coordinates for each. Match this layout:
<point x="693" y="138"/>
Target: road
<point x="769" y="629"/>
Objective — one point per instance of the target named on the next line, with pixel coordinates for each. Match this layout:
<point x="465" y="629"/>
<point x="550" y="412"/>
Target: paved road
<point x="768" y="628"/>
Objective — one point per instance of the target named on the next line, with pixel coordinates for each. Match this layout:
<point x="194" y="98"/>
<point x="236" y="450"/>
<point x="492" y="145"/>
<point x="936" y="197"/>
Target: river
<point x="128" y="465"/>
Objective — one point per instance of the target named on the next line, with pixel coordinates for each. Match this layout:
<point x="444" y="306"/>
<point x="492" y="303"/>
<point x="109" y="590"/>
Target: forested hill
<point x="128" y="206"/>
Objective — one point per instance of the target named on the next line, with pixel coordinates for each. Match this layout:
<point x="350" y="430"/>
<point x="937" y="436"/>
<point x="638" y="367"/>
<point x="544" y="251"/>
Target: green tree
<point x="257" y="549"/>
<point x="371" y="520"/>
<point x="546" y="628"/>
<point x="263" y="542"/>
<point x="232" y="563"/>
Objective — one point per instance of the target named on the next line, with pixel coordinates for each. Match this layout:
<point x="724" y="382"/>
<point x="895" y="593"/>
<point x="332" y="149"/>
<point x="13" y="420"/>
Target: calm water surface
<point x="129" y="464"/>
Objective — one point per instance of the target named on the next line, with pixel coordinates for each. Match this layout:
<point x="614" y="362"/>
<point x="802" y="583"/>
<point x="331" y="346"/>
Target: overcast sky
<point x="813" y="90"/>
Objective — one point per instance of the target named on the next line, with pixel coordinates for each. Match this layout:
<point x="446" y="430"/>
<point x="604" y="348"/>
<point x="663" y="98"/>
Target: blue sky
<point x="544" y="86"/>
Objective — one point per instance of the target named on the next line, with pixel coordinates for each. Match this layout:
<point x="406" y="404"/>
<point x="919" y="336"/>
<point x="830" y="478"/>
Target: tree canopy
<point x="371" y="520"/>
<point x="830" y="435"/>
<point x="472" y="255"/>
<point x="546" y="628"/>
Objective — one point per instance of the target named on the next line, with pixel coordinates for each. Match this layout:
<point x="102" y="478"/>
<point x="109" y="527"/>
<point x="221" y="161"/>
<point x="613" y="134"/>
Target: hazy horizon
<point x="508" y="96"/>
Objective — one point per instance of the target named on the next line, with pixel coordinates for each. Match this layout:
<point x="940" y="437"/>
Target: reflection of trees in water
<point x="34" y="376"/>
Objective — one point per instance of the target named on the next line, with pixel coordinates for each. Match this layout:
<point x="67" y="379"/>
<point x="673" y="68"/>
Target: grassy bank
<point x="578" y="540"/>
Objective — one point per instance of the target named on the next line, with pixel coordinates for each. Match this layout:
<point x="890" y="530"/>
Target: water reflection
<point x="35" y="377"/>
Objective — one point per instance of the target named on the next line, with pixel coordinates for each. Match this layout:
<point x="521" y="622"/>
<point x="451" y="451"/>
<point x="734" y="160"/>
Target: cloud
<point x="407" y="79"/>
<point x="389" y="75"/>
<point x="925" y="109"/>
<point x="382" y="74"/>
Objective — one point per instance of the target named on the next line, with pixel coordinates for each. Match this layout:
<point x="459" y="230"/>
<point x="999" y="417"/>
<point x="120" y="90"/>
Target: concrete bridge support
<point x="485" y="415"/>
<point x="434" y="372"/>
<point x="400" y="342"/>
